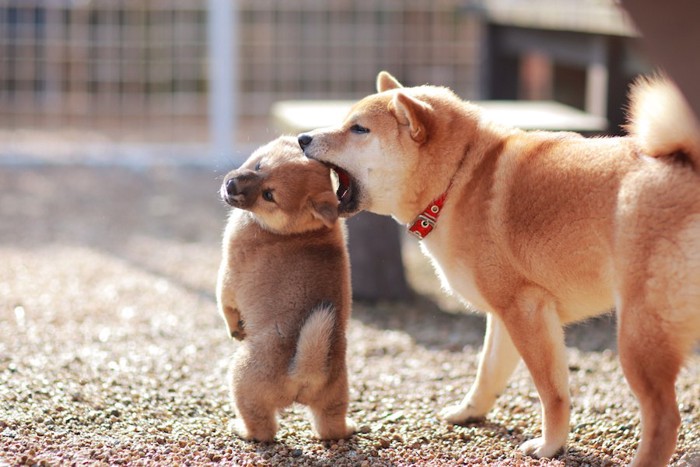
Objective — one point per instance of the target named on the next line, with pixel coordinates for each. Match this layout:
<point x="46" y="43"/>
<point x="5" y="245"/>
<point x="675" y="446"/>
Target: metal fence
<point x="137" y="70"/>
<point x="311" y="49"/>
<point x="114" y="66"/>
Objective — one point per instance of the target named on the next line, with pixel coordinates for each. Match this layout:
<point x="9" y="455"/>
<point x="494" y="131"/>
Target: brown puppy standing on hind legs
<point x="540" y="229"/>
<point x="284" y="289"/>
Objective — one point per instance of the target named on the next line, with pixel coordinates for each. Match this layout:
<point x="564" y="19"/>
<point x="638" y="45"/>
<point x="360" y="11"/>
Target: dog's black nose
<point x="231" y="186"/>
<point x="304" y="140"/>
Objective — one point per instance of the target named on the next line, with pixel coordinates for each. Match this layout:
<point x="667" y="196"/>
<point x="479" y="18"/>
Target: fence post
<point x="223" y="78"/>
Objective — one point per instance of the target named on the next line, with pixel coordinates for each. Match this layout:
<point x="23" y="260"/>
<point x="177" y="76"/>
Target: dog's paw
<point x="460" y="414"/>
<point x="538" y="448"/>
<point x="238" y="428"/>
<point x="238" y="335"/>
<point x="239" y="332"/>
<point x="351" y="427"/>
<point x="339" y="431"/>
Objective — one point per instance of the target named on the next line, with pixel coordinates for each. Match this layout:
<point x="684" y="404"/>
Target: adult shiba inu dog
<point x="284" y="289"/>
<point x="541" y="229"/>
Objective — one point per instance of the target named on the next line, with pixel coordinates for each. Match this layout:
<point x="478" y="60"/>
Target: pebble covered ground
<point x="111" y="350"/>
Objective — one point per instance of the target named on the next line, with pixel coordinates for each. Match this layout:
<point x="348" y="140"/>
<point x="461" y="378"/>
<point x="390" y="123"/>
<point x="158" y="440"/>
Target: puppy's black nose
<point x="304" y="140"/>
<point x="231" y="186"/>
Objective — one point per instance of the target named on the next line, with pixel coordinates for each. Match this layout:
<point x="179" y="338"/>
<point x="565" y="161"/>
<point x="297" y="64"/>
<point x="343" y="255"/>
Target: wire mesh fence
<point x="136" y="70"/>
<point x="113" y="66"/>
<point x="311" y="49"/>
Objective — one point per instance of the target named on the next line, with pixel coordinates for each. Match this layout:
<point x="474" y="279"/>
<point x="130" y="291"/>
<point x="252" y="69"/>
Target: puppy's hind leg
<point x="330" y="409"/>
<point x="257" y="421"/>
<point x="651" y="359"/>
<point x="497" y="361"/>
<point x="253" y="397"/>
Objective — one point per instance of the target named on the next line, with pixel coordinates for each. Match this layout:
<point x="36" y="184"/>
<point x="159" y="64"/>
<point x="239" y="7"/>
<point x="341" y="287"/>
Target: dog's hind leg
<point x="651" y="360"/>
<point x="658" y="325"/>
<point x="536" y="330"/>
<point x="255" y="399"/>
<point x="497" y="361"/>
<point x="329" y="410"/>
<point x="257" y="420"/>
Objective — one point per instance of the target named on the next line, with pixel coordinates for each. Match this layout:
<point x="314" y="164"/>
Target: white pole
<point x="597" y="81"/>
<point x="223" y="79"/>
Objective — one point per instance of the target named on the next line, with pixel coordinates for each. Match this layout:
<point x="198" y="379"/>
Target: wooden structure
<point x="584" y="48"/>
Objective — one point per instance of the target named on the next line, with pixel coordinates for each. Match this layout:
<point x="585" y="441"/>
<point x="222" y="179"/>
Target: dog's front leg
<point x="226" y="303"/>
<point x="536" y="330"/>
<point x="497" y="361"/>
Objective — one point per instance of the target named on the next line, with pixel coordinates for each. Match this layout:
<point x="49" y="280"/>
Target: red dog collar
<point x="425" y="222"/>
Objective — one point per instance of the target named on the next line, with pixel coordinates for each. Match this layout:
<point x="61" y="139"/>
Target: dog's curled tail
<point x="311" y="358"/>
<point x="662" y="122"/>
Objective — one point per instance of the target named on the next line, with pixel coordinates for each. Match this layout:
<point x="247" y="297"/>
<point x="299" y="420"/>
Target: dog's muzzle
<point x="304" y="140"/>
<point x="237" y="189"/>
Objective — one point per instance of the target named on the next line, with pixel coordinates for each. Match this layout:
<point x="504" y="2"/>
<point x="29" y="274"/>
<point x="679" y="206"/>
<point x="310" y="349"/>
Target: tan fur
<point x="284" y="289"/>
<point x="542" y="229"/>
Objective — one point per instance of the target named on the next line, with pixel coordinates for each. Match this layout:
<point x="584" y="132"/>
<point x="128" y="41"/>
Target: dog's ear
<point x="324" y="206"/>
<point x="413" y="113"/>
<point x="386" y="82"/>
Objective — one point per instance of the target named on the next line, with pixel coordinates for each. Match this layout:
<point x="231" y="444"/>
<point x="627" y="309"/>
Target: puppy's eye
<point x="267" y="196"/>
<point x="359" y="129"/>
<point x="257" y="166"/>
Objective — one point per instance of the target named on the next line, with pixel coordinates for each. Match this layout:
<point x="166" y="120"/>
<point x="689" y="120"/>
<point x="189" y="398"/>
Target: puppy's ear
<point x="324" y="206"/>
<point x="413" y="113"/>
<point x="386" y="82"/>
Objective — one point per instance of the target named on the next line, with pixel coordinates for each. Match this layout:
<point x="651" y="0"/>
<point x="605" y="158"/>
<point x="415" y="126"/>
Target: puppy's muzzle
<point x="239" y="190"/>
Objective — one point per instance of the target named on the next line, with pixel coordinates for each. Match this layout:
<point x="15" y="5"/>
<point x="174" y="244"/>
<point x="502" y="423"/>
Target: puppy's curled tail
<point x="311" y="358"/>
<point x="662" y="122"/>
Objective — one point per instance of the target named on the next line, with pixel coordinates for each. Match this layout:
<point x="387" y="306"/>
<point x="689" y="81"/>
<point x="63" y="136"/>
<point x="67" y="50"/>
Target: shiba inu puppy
<point x="284" y="289"/>
<point x="540" y="229"/>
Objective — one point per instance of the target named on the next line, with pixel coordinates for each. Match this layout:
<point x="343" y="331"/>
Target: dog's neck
<point x="426" y="221"/>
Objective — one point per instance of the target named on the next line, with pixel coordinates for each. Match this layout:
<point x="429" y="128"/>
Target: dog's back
<point x="295" y="293"/>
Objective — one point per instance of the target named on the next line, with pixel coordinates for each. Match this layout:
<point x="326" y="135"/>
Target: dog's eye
<point x="257" y="166"/>
<point x="359" y="129"/>
<point x="267" y="195"/>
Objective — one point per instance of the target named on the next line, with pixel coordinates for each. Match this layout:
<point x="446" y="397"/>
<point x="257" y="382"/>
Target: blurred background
<point x="143" y="81"/>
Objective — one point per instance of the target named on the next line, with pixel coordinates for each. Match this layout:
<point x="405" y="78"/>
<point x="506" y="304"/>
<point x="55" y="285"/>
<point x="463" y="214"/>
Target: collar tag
<point x="427" y="220"/>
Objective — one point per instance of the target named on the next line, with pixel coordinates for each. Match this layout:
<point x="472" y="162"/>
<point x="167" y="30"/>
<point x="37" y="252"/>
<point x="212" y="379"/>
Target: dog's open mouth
<point x="346" y="191"/>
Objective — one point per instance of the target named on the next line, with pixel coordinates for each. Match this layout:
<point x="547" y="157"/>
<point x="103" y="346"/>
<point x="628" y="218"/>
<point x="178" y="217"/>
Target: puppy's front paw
<point x="234" y="322"/>
<point x="538" y="448"/>
<point x="460" y="414"/>
<point x="238" y="332"/>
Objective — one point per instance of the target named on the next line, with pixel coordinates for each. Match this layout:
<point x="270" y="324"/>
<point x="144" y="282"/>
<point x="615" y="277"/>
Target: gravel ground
<point x="111" y="350"/>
